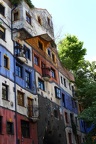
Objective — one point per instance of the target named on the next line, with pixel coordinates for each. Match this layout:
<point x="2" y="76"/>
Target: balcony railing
<point x="46" y="73"/>
<point x="33" y="112"/>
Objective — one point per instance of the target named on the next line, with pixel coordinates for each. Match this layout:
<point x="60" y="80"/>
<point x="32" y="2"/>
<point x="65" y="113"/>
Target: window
<point x="2" y="10"/>
<point x="58" y="92"/>
<point x="41" y="84"/>
<point x="18" y="70"/>
<point x="27" y="53"/>
<point x="2" y="32"/>
<point x="42" y="65"/>
<point x="0" y="124"/>
<point x="61" y="80"/>
<point x="70" y="138"/>
<point x="55" y="113"/>
<point x="25" y="129"/>
<point x="10" y="128"/>
<point x="52" y="73"/>
<point x="4" y="91"/>
<point x="39" y="20"/>
<point x="53" y="57"/>
<point x="49" y="52"/>
<point x="48" y="20"/>
<point x="69" y="85"/>
<point x="73" y="91"/>
<point x="64" y="82"/>
<point x="6" y="62"/>
<point x="20" y="98"/>
<point x="36" y="60"/>
<point x="40" y="45"/>
<point x="16" y="16"/>
<point x="28" y="18"/>
<point x="76" y="121"/>
<point x="27" y="75"/>
<point x="78" y="139"/>
<point x="66" y="117"/>
<point x="63" y="99"/>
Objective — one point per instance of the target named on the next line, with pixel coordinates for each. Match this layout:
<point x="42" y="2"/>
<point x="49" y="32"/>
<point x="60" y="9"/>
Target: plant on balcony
<point x="16" y="2"/>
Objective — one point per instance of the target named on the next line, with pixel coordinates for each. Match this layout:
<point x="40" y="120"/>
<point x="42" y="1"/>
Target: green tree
<point x="16" y="2"/>
<point x="71" y="52"/>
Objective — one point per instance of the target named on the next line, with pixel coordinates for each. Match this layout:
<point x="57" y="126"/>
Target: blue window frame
<point x="27" y="79"/>
<point x="18" y="70"/>
<point x="58" y="93"/>
<point x="41" y="84"/>
<point x="27" y="52"/>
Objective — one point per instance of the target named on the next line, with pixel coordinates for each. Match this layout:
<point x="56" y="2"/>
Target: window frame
<point x="3" y="32"/>
<point x="41" y="84"/>
<point x="66" y="117"/>
<point x="53" y="74"/>
<point x="57" y="92"/>
<point x="25" y="129"/>
<point x="11" y="128"/>
<point x="20" y="96"/>
<point x="49" y="21"/>
<point x="16" y="17"/>
<point x="39" y="20"/>
<point x="5" y="91"/>
<point x="2" y="7"/>
<point x="6" y="62"/>
<point x="27" y="79"/>
<point x="40" y="45"/>
<point x="28" y="18"/>
<point x="36" y="60"/>
<point x="1" y="124"/>
<point x="19" y="71"/>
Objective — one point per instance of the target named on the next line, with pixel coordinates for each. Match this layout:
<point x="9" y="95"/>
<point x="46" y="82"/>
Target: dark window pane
<point x="25" y="129"/>
<point x="18" y="70"/>
<point x="0" y="124"/>
<point x="2" y="33"/>
<point x="41" y="84"/>
<point x="2" y="10"/>
<point x="10" y="128"/>
<point x="4" y="91"/>
<point x="27" y="79"/>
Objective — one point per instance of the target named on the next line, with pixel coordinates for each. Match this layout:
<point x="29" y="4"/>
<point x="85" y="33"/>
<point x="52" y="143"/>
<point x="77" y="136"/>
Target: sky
<point x="75" y="17"/>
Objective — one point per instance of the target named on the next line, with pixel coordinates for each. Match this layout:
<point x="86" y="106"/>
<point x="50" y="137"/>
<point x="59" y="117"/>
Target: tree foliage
<point x="71" y="52"/>
<point x="16" y="2"/>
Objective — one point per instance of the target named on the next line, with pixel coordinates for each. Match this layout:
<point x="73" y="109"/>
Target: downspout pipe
<point x="16" y="142"/>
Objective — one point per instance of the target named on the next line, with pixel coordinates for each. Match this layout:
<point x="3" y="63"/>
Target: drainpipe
<point x="14" y="78"/>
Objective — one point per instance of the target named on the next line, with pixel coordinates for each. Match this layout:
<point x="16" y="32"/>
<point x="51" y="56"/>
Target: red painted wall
<point x="8" y="115"/>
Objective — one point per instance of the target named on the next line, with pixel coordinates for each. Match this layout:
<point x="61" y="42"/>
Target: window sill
<point x="7" y="68"/>
<point x="3" y="40"/>
<point x="21" y="106"/>
<point x="5" y="100"/>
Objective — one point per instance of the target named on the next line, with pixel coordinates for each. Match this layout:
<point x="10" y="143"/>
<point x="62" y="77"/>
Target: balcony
<point x="46" y="73"/>
<point x="33" y="113"/>
<point x="21" y="57"/>
<point x="20" y="52"/>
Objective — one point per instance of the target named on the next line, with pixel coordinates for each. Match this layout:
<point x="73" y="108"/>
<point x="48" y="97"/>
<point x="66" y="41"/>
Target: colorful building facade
<point x="37" y="104"/>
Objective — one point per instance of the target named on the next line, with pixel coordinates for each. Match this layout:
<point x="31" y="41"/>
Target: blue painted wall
<point x="22" y="82"/>
<point x="68" y="102"/>
<point x="8" y="73"/>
